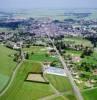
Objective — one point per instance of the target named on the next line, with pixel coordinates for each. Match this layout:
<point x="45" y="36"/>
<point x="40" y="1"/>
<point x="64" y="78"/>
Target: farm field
<point x="38" y="49"/>
<point x="77" y="41"/>
<point x="59" y="82"/>
<point x="90" y="94"/>
<point x="41" y="57"/>
<point x="73" y="52"/>
<point x="23" y="90"/>
<point x="7" y="65"/>
<point x="60" y="98"/>
<point x="62" y="85"/>
<point x="40" y="54"/>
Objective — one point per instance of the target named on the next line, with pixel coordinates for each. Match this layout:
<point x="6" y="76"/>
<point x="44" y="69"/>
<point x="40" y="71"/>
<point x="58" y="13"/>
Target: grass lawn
<point x="22" y="90"/>
<point x="6" y="64"/>
<point x="90" y="94"/>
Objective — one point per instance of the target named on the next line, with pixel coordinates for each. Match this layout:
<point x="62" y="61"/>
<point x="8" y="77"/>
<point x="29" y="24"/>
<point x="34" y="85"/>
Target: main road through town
<point x="68" y="73"/>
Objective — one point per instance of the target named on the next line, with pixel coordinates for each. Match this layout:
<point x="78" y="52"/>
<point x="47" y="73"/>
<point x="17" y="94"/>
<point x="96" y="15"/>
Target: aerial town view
<point x="48" y="50"/>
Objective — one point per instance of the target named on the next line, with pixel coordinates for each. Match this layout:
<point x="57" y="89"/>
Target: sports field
<point x="6" y="65"/>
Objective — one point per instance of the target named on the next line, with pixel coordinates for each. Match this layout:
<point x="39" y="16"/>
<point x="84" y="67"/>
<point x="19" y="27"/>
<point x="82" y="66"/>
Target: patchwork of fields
<point x="23" y="90"/>
<point x="20" y="89"/>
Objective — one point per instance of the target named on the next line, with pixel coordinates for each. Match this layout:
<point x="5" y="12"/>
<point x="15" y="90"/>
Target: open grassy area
<point x="90" y="94"/>
<point x="39" y="54"/>
<point x="69" y="96"/>
<point x="59" y="98"/>
<point x="65" y="97"/>
<point x="62" y="85"/>
<point x="38" y="49"/>
<point x="73" y="52"/>
<point x="7" y="64"/>
<point x="22" y="90"/>
<point x="59" y="82"/>
<point x="42" y="57"/>
<point x="77" y="41"/>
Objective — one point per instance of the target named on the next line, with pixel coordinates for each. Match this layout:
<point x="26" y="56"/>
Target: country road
<point x="75" y="88"/>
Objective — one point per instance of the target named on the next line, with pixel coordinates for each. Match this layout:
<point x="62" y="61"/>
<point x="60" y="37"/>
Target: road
<point x="68" y="73"/>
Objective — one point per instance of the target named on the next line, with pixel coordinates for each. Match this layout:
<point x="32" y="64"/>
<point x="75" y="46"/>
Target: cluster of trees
<point x="54" y="63"/>
<point x="17" y="57"/>
<point x="27" y="55"/>
<point x="12" y="25"/>
<point x="93" y="40"/>
<point x="87" y="52"/>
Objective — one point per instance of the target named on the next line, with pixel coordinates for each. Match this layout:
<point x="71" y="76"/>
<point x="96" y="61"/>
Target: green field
<point x="59" y="98"/>
<point x="64" y="97"/>
<point x="41" y="57"/>
<point x="23" y="90"/>
<point x="73" y="52"/>
<point x="7" y="65"/>
<point x="35" y="49"/>
<point x="39" y="54"/>
<point x="77" y="41"/>
<point x="62" y="85"/>
<point x="90" y="94"/>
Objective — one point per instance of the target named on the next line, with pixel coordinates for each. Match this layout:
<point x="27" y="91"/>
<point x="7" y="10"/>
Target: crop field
<point x="62" y="85"/>
<point x="6" y="64"/>
<point x="22" y="90"/>
<point x="59" y="82"/>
